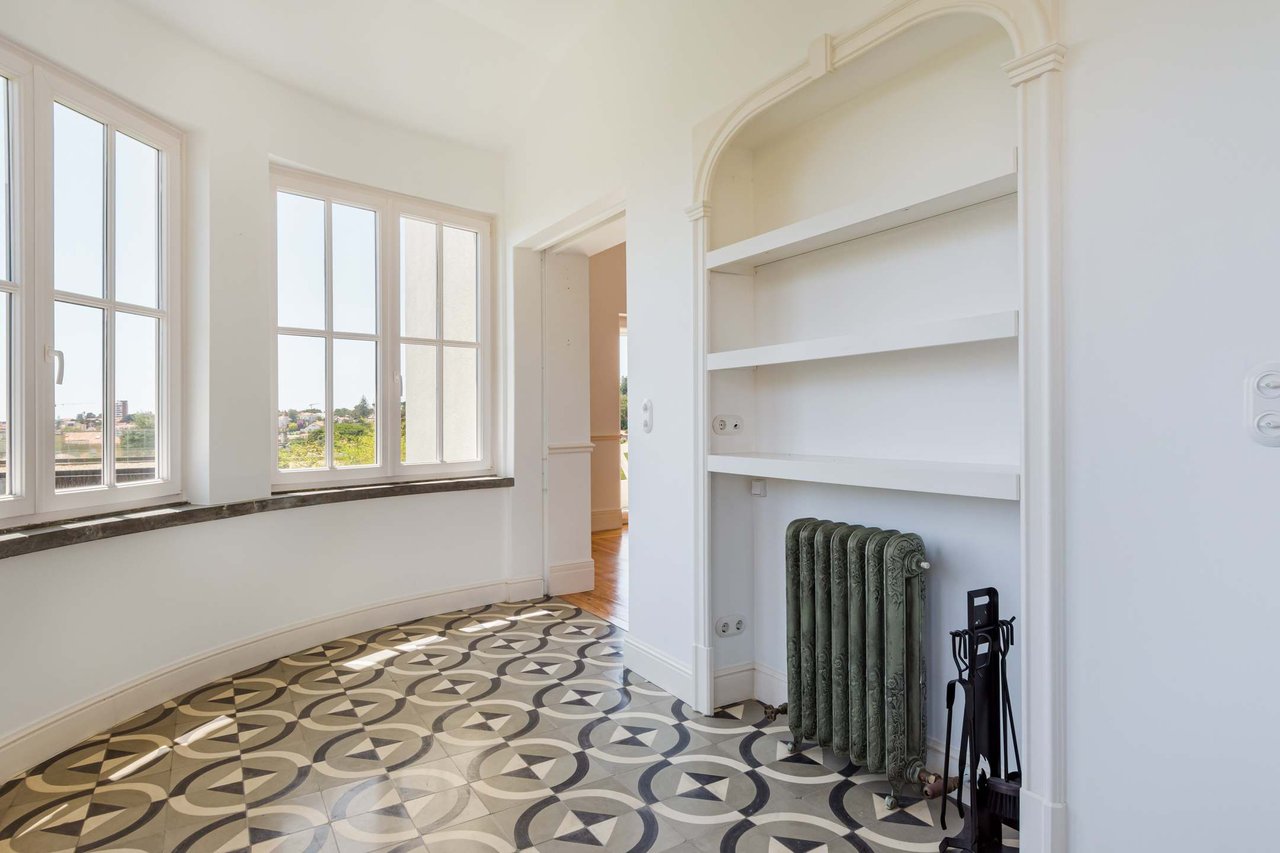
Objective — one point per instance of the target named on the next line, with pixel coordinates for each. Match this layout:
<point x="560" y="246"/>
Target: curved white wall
<point x="81" y="621"/>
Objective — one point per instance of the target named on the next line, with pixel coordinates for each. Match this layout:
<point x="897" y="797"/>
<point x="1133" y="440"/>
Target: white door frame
<point x="576" y="224"/>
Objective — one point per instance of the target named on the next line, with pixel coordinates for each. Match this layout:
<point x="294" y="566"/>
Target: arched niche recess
<point x="1017" y="39"/>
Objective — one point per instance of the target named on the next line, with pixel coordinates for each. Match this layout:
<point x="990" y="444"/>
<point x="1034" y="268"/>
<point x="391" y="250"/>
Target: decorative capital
<point x="701" y="210"/>
<point x="1048" y="58"/>
<point x="821" y="56"/>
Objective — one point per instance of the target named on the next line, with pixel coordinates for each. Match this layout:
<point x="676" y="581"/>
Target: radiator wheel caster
<point x="890" y="802"/>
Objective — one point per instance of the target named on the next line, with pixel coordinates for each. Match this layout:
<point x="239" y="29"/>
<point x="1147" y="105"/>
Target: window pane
<point x="77" y="401"/>
<point x="417" y="278"/>
<point x="5" y="399"/>
<point x="459" y="284"/>
<point x="300" y="261"/>
<point x="137" y="223"/>
<point x="5" y="236"/>
<point x="79" y="178"/>
<point x="355" y="270"/>
<point x="300" y="415"/>
<point x="418" y="403"/>
<point x="460" y="440"/>
<point x="137" y="397"/>
<point x="355" y="395"/>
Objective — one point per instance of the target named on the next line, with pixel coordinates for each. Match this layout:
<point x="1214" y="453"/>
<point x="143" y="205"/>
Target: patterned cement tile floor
<point x="508" y="727"/>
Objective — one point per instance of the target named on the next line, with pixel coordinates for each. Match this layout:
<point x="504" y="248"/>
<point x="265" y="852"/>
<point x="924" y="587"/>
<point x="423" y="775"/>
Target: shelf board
<point x="936" y="333"/>
<point x="848" y="223"/>
<point x="1001" y="482"/>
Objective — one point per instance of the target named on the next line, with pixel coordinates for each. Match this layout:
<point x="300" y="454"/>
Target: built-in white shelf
<point x="979" y="480"/>
<point x="848" y="223"/>
<point x="935" y="333"/>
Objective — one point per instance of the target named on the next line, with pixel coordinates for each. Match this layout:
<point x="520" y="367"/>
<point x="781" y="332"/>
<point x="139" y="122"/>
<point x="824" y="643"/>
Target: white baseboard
<point x="734" y="684"/>
<point x="572" y="577"/>
<point x="658" y="667"/>
<point x="29" y="746"/>
<point x="1043" y="824"/>
<point x="521" y="589"/>
<point x="771" y="685"/>
<point x="606" y="519"/>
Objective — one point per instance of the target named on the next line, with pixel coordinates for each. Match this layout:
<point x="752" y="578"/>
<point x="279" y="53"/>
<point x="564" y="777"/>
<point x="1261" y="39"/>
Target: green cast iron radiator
<point x="855" y="645"/>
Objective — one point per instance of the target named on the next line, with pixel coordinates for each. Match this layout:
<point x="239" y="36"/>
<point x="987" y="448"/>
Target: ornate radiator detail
<point x="855" y="650"/>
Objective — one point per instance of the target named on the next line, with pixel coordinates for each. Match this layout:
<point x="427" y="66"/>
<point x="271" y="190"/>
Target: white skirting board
<point x="27" y="747"/>
<point x="660" y="668"/>
<point x="572" y="577"/>
<point x="521" y="589"/>
<point x="606" y="519"/>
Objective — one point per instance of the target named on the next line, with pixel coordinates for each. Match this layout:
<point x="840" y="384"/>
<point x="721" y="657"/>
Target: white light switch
<point x="1262" y="404"/>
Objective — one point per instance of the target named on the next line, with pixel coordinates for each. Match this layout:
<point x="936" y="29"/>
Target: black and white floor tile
<point x="510" y="727"/>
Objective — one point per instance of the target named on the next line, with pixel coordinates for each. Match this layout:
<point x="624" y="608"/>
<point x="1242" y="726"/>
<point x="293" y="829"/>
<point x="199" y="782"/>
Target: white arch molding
<point x="1034" y="73"/>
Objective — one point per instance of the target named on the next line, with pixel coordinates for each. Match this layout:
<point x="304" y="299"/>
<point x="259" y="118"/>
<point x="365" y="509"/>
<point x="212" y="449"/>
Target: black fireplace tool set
<point x="981" y="652"/>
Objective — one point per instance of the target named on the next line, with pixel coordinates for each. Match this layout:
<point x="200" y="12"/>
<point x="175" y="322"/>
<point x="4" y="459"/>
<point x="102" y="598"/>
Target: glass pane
<point x="79" y="217"/>
<point x="299" y="261"/>
<point x="137" y="397"/>
<point x="300" y="395"/>
<point x="77" y="401"/>
<point x="355" y="270"/>
<point x="5" y="237"/>
<point x="137" y="221"/>
<point x="460" y="420"/>
<point x="418" y="403"/>
<point x="417" y="278"/>
<point x="459" y="284"/>
<point x="355" y="395"/>
<point x="5" y="482"/>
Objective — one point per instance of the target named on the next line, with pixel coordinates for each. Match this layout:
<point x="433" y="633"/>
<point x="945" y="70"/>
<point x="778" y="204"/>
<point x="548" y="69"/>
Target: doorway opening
<point x="607" y="381"/>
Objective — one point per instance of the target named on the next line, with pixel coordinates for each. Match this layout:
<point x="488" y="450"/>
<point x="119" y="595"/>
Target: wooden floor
<point x="609" y="598"/>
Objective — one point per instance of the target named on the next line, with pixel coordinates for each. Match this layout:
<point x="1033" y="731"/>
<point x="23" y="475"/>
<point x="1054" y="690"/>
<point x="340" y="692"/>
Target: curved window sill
<point x="16" y="541"/>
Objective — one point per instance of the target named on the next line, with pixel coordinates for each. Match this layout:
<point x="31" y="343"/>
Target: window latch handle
<point x="55" y="355"/>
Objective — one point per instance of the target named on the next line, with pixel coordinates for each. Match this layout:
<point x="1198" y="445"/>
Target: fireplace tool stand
<point x="981" y="653"/>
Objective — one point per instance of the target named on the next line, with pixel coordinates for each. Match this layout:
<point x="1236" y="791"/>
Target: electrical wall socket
<point x="726" y="424"/>
<point x="731" y="625"/>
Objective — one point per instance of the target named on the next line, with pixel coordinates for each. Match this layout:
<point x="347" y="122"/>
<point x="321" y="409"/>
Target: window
<point x="88" y="296"/>
<point x="382" y="306"/>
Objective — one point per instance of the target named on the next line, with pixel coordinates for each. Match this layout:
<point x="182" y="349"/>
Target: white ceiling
<point x="464" y="69"/>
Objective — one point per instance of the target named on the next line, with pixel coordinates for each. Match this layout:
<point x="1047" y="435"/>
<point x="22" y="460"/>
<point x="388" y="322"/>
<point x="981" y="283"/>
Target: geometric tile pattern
<point x="502" y="728"/>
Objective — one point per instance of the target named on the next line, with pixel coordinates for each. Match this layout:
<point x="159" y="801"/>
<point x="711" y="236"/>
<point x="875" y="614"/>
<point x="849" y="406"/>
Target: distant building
<point x="122" y="409"/>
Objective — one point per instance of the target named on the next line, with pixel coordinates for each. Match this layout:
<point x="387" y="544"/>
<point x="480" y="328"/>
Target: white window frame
<point x="33" y="88"/>
<point x="388" y="208"/>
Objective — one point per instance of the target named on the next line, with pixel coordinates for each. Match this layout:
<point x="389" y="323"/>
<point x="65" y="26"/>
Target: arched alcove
<point x="875" y="253"/>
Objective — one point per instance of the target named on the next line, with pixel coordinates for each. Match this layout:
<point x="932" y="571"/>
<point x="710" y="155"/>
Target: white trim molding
<point x="1051" y="57"/>
<point x="658" y="667"/>
<point x="1038" y="54"/>
<point x="735" y="684"/>
<point x="27" y="747"/>
<point x="522" y="589"/>
<point x="570" y="447"/>
<point x="567" y="578"/>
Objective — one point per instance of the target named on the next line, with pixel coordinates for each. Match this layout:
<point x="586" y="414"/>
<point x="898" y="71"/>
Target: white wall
<point x="1173" y="514"/>
<point x="111" y="612"/>
<point x="608" y="271"/>
<point x="1169" y="275"/>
